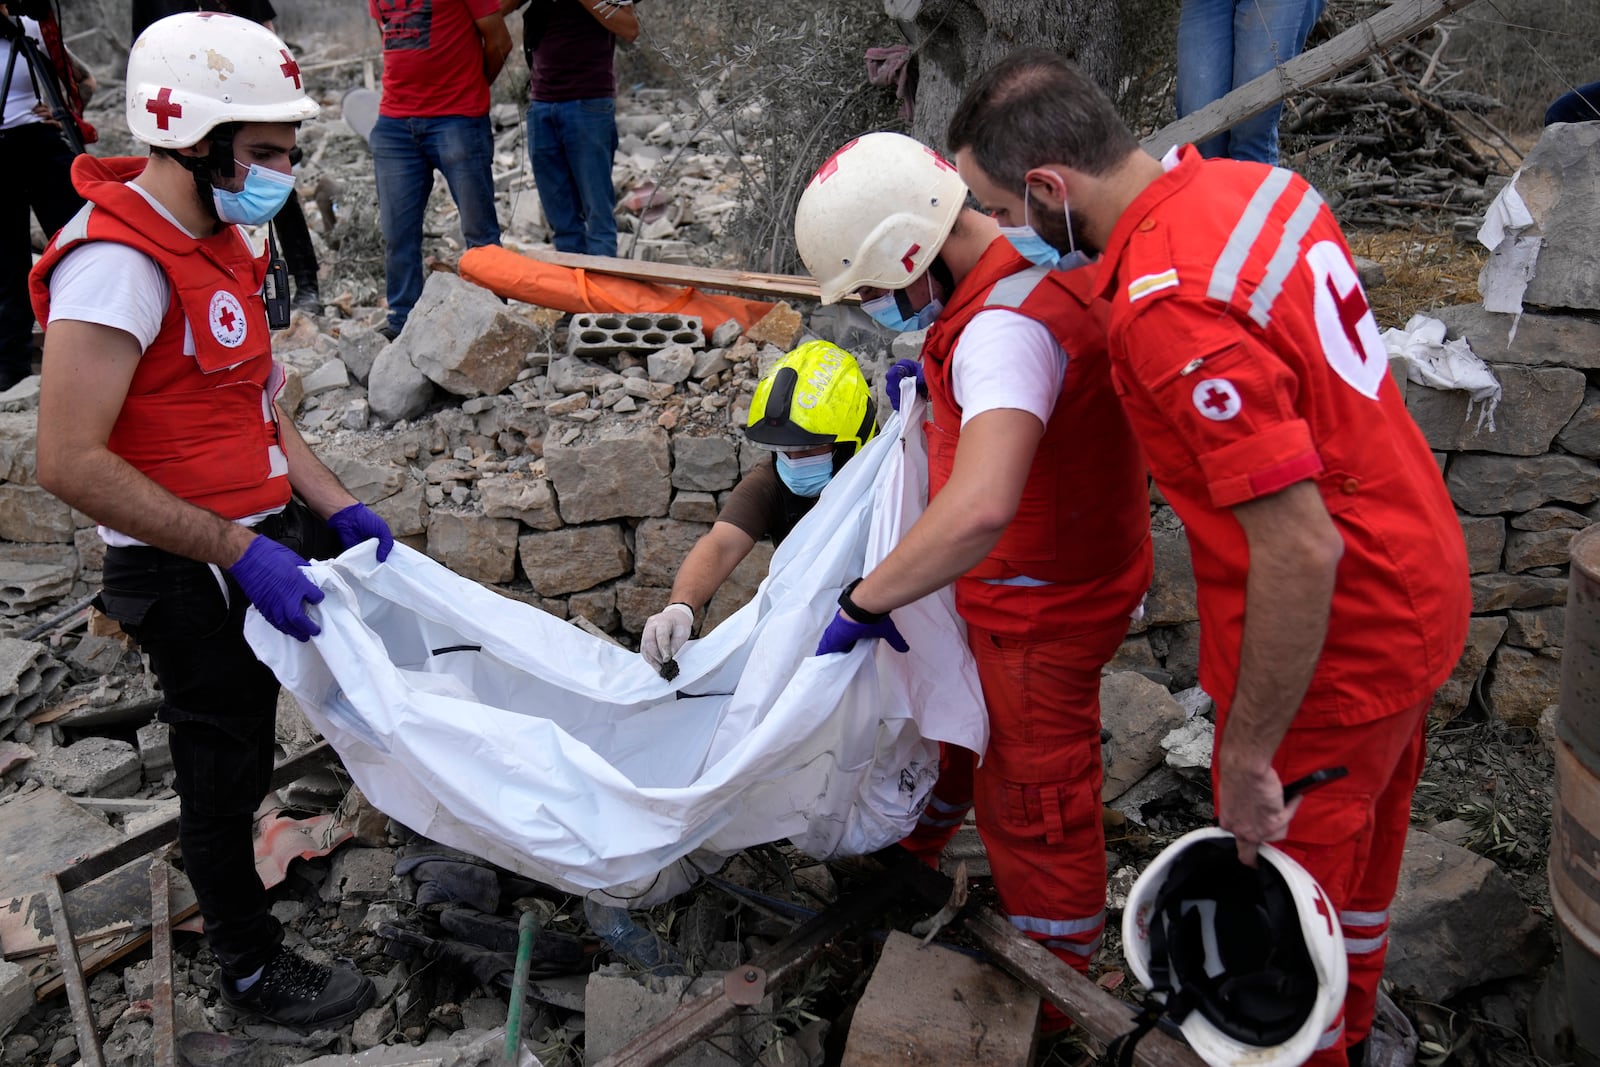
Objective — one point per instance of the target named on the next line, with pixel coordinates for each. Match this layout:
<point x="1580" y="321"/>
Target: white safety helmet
<point x="1250" y="961"/>
<point x="191" y="72"/>
<point x="876" y="213"/>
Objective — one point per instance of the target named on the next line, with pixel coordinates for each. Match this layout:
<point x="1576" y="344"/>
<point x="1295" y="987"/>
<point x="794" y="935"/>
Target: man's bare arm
<point x="968" y="516"/>
<point x="709" y="563"/>
<point x="496" y="44"/>
<point x="87" y="370"/>
<point x="619" y="19"/>
<point x="318" y="486"/>
<point x="1294" y="559"/>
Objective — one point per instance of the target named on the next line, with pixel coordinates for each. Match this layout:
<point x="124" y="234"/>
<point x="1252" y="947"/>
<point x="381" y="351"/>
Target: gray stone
<point x="155" y="749"/>
<point x="359" y="347"/>
<point x="357" y="413"/>
<point x="1138" y="713"/>
<point x="396" y="389"/>
<point x="1522" y="684"/>
<point x="739" y="587"/>
<point x="406" y="512"/>
<point x="572" y="374"/>
<point x="91" y="550"/>
<point x="1483" y="636"/>
<point x="1527" y="549"/>
<point x="95" y="766"/>
<point x="371" y="474"/>
<point x="1486" y="541"/>
<point x="574" y="558"/>
<point x="691" y="506"/>
<point x="1159" y="785"/>
<point x="474" y="346"/>
<point x="1549" y="519"/>
<point x="1457" y="922"/>
<point x="1581" y="434"/>
<point x="359" y="874"/>
<point x="1172" y="592"/>
<point x="618" y="1008"/>
<point x="660" y="546"/>
<point x="705" y="463"/>
<point x="96" y="656"/>
<point x="1559" y="181"/>
<point x="636" y="603"/>
<point x="464" y="1048"/>
<point x="331" y="375"/>
<point x="1487" y="484"/>
<point x="473" y="546"/>
<point x="372" y="1026"/>
<point x="518" y="496"/>
<point x="1135" y="654"/>
<point x="599" y="606"/>
<point x="16" y="994"/>
<point x="28" y="513"/>
<point x="1194" y="701"/>
<point x="24" y="396"/>
<point x="726" y="334"/>
<point x="19" y="432"/>
<point x="644" y="389"/>
<point x="1536" y="402"/>
<point x="907" y="345"/>
<point x="711" y="361"/>
<point x="1498" y="592"/>
<point x="1540" y="628"/>
<point x="1178" y="648"/>
<point x="1541" y="339"/>
<point x="670" y="365"/>
<point x="620" y="471"/>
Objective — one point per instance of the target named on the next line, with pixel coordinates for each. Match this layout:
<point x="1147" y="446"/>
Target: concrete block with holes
<point x="601" y="333"/>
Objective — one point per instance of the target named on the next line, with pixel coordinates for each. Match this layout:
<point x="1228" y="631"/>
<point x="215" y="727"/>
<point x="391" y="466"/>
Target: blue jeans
<point x="405" y="153"/>
<point x="570" y="145"/>
<point x="1222" y="44"/>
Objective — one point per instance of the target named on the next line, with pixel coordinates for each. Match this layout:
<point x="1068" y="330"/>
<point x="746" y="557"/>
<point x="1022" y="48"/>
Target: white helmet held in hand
<point x="876" y="213"/>
<point x="1250" y="961"/>
<point x="191" y="72"/>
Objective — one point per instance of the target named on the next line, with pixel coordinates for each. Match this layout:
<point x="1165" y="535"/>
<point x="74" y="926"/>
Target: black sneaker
<point x="306" y="298"/>
<point x="295" y="992"/>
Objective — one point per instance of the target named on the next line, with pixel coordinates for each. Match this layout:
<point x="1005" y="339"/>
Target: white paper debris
<point x="1440" y="364"/>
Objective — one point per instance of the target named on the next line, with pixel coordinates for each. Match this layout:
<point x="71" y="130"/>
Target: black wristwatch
<point x="856" y="611"/>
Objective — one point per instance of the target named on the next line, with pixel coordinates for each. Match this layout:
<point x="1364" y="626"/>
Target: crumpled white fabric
<point x="1440" y="364"/>
<point x="1513" y="256"/>
<point x="491" y="726"/>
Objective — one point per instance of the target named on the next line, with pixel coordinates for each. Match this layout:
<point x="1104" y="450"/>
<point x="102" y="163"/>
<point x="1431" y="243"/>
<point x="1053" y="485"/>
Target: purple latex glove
<point x="843" y="633"/>
<point x="902" y="369"/>
<point x="271" y="577"/>
<point x="358" y="523"/>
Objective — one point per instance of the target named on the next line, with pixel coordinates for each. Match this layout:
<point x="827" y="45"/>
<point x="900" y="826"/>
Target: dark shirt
<point x="762" y="506"/>
<point x="147" y="11"/>
<point x="570" y="55"/>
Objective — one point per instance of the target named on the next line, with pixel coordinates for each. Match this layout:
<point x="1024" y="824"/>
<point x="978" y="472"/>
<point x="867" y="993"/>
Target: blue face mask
<point x="805" y="475"/>
<point x="891" y="313"/>
<point x="1036" y="250"/>
<point x="264" y="192"/>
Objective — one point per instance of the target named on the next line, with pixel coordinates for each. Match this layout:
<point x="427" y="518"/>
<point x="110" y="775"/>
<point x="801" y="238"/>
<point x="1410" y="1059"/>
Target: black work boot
<point x="306" y="297"/>
<point x="295" y="992"/>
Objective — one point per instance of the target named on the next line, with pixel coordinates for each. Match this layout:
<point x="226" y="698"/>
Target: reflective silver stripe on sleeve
<point x="1074" y="947"/>
<point x="1285" y="258"/>
<point x="1030" y="924"/>
<point x="1225" y="275"/>
<point x="1011" y="291"/>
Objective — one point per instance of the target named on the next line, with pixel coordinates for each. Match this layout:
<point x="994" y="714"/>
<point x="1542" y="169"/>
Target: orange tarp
<point x="508" y="274"/>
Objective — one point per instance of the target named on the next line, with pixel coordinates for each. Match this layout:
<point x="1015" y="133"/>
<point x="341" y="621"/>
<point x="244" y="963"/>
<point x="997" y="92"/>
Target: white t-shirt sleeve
<point x="110" y="284"/>
<point x="1007" y="360"/>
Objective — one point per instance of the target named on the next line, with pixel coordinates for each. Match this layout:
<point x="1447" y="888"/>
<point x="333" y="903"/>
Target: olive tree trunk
<point x="955" y="40"/>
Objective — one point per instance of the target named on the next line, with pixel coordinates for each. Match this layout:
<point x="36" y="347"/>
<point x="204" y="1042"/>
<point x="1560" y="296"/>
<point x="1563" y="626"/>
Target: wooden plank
<point x="1398" y="21"/>
<point x="792" y="286"/>
<point x="115" y="904"/>
<point x="1100" y="1014"/>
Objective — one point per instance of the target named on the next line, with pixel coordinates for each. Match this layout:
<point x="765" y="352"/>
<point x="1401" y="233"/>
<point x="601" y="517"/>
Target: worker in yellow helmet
<point x="814" y="411"/>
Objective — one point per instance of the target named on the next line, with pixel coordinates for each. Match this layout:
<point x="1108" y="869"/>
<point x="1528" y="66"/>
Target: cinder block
<point x="605" y="333"/>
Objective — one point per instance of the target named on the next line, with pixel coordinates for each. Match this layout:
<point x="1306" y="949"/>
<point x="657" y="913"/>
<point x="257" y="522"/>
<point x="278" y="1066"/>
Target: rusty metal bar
<point x="163" y="1017"/>
<point x="72" y="973"/>
<point x="703" y="1016"/>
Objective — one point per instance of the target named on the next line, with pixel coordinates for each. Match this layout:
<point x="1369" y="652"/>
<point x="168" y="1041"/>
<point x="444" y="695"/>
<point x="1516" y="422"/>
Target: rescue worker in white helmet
<point x="157" y="419"/>
<point x="814" y="411"/>
<point x="1037" y="512"/>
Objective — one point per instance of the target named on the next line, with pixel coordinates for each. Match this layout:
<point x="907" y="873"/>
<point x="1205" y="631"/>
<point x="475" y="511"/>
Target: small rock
<point x="780" y="327"/>
<point x="726" y="334"/>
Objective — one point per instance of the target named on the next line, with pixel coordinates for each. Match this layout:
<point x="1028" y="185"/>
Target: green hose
<point x="519" y="984"/>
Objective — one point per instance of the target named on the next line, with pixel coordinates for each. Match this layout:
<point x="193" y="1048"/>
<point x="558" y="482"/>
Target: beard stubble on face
<point x="1052" y="225"/>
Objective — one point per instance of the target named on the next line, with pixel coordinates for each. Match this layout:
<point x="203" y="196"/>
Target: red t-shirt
<point x="1248" y="360"/>
<point x="432" y="57"/>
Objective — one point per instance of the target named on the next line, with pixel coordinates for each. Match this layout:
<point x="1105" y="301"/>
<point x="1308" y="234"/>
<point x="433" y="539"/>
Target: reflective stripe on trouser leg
<point x="947" y="807"/>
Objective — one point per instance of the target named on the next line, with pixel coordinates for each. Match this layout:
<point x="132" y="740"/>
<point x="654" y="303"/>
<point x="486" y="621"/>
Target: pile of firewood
<point x="1391" y="138"/>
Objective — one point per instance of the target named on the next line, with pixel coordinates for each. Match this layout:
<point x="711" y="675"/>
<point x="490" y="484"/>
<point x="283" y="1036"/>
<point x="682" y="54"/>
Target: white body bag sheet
<point x="494" y="727"/>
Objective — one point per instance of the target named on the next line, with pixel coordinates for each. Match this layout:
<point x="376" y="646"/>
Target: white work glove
<point x="665" y="632"/>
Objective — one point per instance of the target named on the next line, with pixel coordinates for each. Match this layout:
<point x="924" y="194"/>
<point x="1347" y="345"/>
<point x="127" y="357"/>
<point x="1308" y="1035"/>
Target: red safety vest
<point x="1084" y="516"/>
<point x="202" y="426"/>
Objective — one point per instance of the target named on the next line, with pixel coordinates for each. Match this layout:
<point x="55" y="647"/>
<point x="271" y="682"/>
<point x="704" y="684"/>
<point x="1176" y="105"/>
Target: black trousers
<point x="299" y="255"/>
<point x="221" y="703"/>
<point x="35" y="176"/>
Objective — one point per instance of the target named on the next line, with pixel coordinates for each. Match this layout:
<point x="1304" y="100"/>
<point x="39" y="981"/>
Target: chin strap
<point x="1119" y="1053"/>
<point x="217" y="161"/>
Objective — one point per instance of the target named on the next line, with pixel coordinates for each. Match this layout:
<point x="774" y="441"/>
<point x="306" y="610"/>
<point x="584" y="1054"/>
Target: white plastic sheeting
<point x="1441" y="364"/>
<point x="494" y="727"/>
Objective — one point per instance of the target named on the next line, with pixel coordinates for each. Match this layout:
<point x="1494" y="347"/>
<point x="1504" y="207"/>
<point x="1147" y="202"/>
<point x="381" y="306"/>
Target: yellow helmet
<point x="816" y="395"/>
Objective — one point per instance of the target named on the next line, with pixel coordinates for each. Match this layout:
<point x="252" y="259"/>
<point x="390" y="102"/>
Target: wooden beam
<point x="791" y="286"/>
<point x="1398" y="21"/>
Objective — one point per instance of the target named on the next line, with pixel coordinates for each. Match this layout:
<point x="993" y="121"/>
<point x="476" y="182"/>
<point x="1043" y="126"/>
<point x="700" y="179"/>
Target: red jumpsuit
<point x="1082" y="529"/>
<point x="1248" y="361"/>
